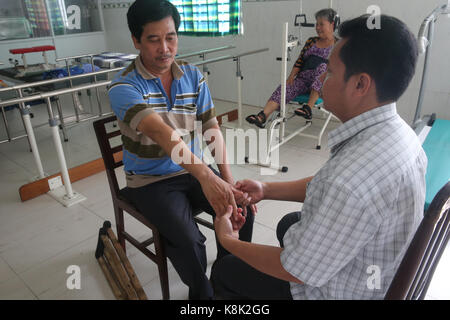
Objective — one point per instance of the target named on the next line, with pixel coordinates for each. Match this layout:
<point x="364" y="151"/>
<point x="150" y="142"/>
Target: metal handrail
<point x="202" y="52"/>
<point x="222" y="58"/>
<point x="51" y="81"/>
<point x="53" y="93"/>
<point x="44" y="82"/>
<point x="53" y="121"/>
<point x="98" y="84"/>
<point x="199" y="63"/>
<point x="75" y="57"/>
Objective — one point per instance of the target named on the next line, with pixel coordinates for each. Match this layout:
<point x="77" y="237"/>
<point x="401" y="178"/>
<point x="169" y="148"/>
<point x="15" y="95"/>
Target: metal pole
<point x="59" y="150"/>
<point x="205" y="68"/>
<point x="100" y="112"/>
<point x="61" y="119"/>
<point x="76" y="103"/>
<point x="424" y="72"/>
<point x="239" y="78"/>
<point x="283" y="79"/>
<point x="32" y="139"/>
<point x="22" y="107"/>
<point x="201" y="52"/>
<point x="6" y="124"/>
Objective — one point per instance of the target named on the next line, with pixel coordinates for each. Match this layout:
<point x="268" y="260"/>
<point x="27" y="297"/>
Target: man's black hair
<point x="142" y="12"/>
<point x="388" y="54"/>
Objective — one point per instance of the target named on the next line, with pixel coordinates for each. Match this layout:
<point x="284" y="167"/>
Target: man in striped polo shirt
<point x="159" y="102"/>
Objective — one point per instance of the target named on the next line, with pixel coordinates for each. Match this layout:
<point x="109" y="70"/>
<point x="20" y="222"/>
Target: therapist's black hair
<point x="142" y="12"/>
<point x="386" y="51"/>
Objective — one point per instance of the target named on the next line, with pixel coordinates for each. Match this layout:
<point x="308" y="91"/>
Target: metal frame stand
<point x="425" y="46"/>
<point x="64" y="194"/>
<point x="277" y="142"/>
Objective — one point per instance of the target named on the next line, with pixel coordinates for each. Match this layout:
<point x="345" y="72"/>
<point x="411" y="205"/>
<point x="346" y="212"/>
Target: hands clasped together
<point x="225" y="198"/>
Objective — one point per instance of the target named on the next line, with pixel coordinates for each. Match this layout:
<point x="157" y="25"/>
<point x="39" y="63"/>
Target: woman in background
<point x="305" y="74"/>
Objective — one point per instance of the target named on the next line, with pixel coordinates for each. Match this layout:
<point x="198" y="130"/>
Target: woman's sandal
<point x="304" y="111"/>
<point x="257" y="119"/>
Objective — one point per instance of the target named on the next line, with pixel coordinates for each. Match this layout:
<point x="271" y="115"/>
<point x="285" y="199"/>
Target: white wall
<point x="263" y="28"/>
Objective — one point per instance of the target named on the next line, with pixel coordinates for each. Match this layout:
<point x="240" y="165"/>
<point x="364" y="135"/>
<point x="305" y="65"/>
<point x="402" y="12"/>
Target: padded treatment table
<point x="437" y="148"/>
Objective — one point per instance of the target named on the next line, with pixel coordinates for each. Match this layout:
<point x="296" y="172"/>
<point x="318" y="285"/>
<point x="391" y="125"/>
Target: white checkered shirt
<point x="361" y="210"/>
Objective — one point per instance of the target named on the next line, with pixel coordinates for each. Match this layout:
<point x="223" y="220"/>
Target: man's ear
<point x="136" y="42"/>
<point x="363" y="82"/>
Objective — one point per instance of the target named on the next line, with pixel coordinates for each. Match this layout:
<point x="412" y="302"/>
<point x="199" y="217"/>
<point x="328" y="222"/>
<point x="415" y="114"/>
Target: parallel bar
<point x="95" y="85"/>
<point x="251" y="52"/>
<point x="14" y="138"/>
<point x="222" y="58"/>
<point x="44" y="82"/>
<point x="53" y="93"/>
<point x="75" y="57"/>
<point x="196" y="53"/>
<point x="199" y="63"/>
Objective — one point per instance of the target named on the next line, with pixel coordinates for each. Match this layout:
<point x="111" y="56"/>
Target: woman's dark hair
<point x="142" y="12"/>
<point x="329" y="14"/>
<point x="387" y="53"/>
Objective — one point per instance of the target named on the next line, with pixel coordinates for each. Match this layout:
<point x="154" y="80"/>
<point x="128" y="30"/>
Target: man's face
<point x="334" y="89"/>
<point x="158" y="45"/>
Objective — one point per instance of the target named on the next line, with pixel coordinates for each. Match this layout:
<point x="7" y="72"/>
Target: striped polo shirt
<point x="134" y="93"/>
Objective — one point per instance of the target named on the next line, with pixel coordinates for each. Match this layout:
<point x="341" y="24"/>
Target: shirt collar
<point x="176" y="70"/>
<point x="353" y="126"/>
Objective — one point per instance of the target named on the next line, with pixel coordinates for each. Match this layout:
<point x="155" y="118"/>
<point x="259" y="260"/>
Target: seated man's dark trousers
<point x="232" y="278"/>
<point x="168" y="205"/>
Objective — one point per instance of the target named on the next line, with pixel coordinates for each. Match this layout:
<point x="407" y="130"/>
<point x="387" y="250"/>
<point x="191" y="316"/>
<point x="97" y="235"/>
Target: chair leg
<point x="162" y="265"/>
<point x="120" y="224"/>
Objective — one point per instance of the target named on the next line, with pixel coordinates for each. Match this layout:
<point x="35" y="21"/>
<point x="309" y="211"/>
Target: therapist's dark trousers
<point x="168" y="204"/>
<point x="232" y="278"/>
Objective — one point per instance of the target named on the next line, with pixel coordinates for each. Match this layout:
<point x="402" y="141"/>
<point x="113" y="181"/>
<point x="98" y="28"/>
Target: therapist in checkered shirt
<point x="363" y="207"/>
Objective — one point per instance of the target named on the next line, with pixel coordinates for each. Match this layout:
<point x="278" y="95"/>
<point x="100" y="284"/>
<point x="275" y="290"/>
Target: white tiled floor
<point x="40" y="239"/>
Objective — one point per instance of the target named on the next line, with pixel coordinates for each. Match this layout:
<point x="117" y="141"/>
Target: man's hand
<point x="254" y="189"/>
<point x="219" y="193"/>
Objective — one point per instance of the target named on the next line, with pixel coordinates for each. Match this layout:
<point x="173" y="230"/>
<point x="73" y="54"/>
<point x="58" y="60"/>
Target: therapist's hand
<point x="254" y="189"/>
<point x="224" y="227"/>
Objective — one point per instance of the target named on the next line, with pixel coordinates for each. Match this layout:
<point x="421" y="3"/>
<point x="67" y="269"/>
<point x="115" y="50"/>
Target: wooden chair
<point x="416" y="270"/>
<point x="112" y="157"/>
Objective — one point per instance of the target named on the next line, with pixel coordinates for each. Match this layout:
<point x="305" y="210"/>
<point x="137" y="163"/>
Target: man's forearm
<point x="216" y="144"/>
<point x="286" y="191"/>
<point x="266" y="259"/>
<point x="174" y="146"/>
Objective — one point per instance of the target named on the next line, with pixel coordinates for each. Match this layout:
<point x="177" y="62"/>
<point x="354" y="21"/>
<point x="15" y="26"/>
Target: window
<point x="209" y="17"/>
<point x="21" y="19"/>
<point x="74" y="16"/>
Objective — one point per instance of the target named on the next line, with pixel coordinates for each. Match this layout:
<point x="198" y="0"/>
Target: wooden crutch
<point x="126" y="263"/>
<point x="117" y="290"/>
